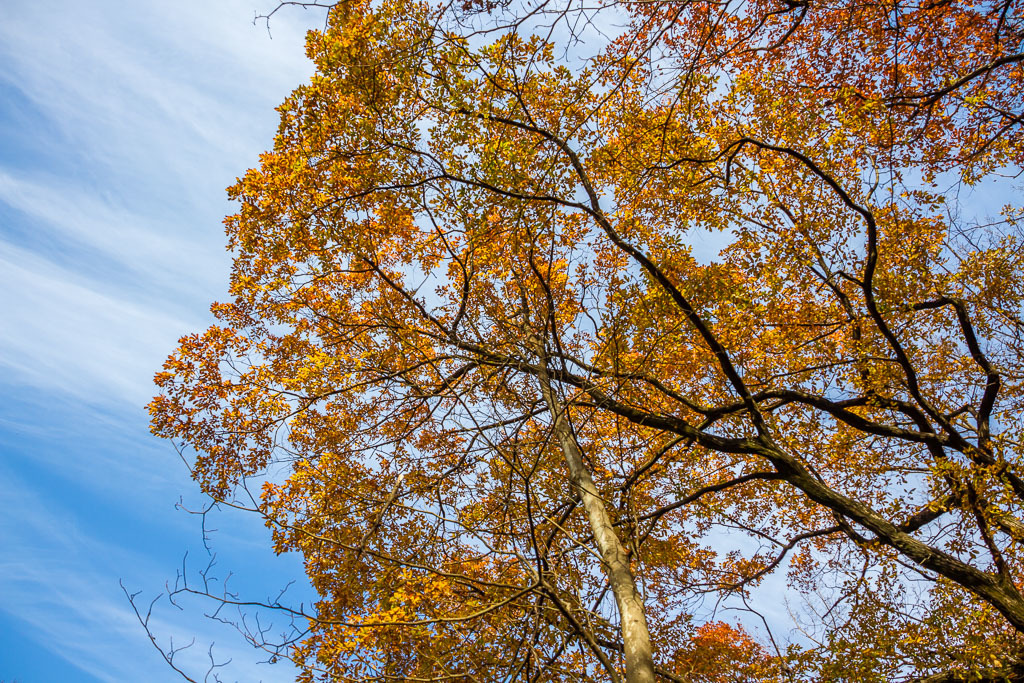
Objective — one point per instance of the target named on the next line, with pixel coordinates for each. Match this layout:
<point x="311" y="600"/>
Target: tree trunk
<point x="635" y="637"/>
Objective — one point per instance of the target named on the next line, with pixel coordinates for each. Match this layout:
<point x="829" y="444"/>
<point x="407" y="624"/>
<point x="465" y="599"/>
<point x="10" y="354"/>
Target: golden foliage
<point x="465" y="200"/>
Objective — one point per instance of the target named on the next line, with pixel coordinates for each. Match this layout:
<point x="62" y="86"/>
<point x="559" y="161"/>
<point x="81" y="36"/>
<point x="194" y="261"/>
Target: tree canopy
<point x="634" y="341"/>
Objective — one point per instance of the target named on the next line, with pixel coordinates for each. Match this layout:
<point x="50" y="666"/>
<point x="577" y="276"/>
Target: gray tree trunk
<point x="635" y="637"/>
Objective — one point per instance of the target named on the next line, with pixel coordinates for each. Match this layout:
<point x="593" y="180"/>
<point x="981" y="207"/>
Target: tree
<point x="530" y="435"/>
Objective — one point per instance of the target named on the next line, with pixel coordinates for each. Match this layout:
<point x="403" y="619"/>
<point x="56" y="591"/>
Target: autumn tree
<point x="577" y="327"/>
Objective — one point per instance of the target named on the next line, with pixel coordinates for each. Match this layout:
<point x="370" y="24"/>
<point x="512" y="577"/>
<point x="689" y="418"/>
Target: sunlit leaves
<point x="830" y="398"/>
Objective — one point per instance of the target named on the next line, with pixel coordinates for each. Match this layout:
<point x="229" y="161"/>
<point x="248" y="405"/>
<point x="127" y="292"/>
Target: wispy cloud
<point x="62" y="586"/>
<point x="115" y="248"/>
<point x="80" y="221"/>
<point x="120" y="125"/>
<point x="152" y="82"/>
<point x="60" y="333"/>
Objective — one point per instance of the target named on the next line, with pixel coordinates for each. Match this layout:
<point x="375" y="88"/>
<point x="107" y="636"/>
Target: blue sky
<point x="120" y="126"/>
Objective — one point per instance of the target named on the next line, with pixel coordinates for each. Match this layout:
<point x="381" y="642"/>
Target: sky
<point x="120" y="126"/>
<point x="121" y="123"/>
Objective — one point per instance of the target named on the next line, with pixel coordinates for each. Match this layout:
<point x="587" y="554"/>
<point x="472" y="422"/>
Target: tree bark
<point x="635" y="637"/>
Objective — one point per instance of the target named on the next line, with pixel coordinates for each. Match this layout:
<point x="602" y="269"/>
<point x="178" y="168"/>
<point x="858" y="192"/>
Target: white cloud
<point x="139" y="243"/>
<point x="62" y="334"/>
<point x="126" y="121"/>
<point x="153" y="83"/>
<point x="117" y="249"/>
<point x="63" y="586"/>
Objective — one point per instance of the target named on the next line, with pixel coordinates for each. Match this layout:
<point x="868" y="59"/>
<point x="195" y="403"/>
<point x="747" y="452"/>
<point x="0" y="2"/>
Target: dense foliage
<point x="654" y="340"/>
